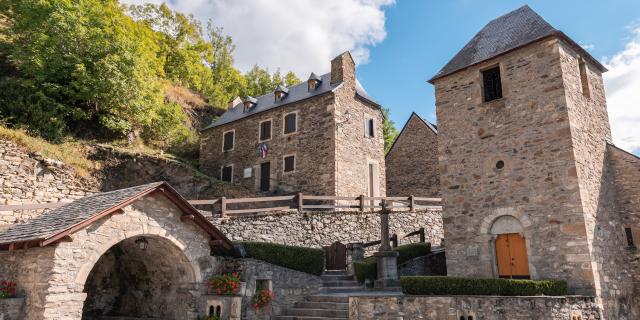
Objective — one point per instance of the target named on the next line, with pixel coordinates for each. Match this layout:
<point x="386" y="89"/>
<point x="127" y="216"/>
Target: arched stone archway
<point x="141" y="277"/>
<point x="508" y="247"/>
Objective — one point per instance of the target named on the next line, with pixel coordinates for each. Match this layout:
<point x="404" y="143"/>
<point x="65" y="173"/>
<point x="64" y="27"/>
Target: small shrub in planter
<point x="227" y="284"/>
<point x="443" y="285"/>
<point x="261" y="299"/>
<point x="7" y="289"/>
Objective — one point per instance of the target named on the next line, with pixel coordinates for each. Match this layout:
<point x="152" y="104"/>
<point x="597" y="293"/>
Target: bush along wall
<point x="308" y="260"/>
<point x="442" y="285"/>
<point x="368" y="267"/>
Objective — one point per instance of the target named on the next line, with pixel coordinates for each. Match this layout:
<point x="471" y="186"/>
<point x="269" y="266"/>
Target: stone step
<point x="341" y="283"/>
<point x="306" y="318"/>
<point x="327" y="313"/>
<point x="322" y="305"/>
<point x="327" y="298"/>
<point x="335" y="272"/>
<point x="342" y="289"/>
<point x="339" y="277"/>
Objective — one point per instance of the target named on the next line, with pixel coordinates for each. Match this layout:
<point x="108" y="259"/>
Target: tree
<point x="389" y="130"/>
<point x="291" y="79"/>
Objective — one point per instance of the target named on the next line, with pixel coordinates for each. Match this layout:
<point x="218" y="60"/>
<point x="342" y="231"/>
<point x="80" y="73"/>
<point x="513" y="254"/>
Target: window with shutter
<point x="290" y="123"/>
<point x="289" y="163"/>
<point x="265" y="130"/>
<point x="492" y="84"/>
<point x="227" y="143"/>
<point x="227" y="174"/>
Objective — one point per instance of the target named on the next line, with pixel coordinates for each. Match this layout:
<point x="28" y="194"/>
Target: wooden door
<point x="336" y="256"/>
<point x="265" y="176"/>
<point x="511" y="256"/>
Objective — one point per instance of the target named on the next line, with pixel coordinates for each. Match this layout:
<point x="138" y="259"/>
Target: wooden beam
<point x="216" y="243"/>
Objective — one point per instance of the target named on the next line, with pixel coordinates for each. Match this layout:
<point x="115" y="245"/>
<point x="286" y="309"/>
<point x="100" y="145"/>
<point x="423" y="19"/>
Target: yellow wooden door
<point x="511" y="256"/>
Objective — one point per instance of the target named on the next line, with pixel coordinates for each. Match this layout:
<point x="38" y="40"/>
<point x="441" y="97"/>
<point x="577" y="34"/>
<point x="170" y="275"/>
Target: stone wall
<point x="530" y="131"/>
<point x="317" y="229"/>
<point x="287" y="285"/>
<point x="412" y="162"/>
<point x="433" y="264"/>
<point x="30" y="178"/>
<point x="473" y="308"/>
<point x="11" y="309"/>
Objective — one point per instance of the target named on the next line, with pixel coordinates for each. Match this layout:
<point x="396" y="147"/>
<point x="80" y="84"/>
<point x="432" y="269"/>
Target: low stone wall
<point x="322" y="228"/>
<point x="287" y="285"/>
<point x="433" y="264"/>
<point x="30" y="178"/>
<point x="11" y="309"/>
<point x="473" y="308"/>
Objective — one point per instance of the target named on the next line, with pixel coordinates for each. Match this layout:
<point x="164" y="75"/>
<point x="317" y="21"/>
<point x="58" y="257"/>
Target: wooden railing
<point x="302" y="202"/>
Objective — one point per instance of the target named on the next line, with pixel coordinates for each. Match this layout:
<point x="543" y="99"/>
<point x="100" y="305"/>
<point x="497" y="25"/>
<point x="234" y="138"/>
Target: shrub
<point x="227" y="284"/>
<point x="442" y="285"/>
<point x="309" y="260"/>
<point x="368" y="268"/>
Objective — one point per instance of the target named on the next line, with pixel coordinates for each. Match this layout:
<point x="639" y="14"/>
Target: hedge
<point x="368" y="267"/>
<point x="309" y="260"/>
<point x="442" y="285"/>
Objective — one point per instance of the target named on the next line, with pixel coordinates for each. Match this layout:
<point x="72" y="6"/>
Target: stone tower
<point x="523" y="130"/>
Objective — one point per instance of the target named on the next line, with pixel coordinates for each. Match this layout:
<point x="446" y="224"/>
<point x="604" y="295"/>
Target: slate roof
<point x="506" y="33"/>
<point x="58" y="220"/>
<point x="296" y="93"/>
<point x="429" y="125"/>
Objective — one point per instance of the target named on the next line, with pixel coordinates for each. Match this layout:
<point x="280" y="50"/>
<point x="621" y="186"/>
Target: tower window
<point x="584" y="78"/>
<point x="629" y="234"/>
<point x="370" y="128"/>
<point x="492" y="84"/>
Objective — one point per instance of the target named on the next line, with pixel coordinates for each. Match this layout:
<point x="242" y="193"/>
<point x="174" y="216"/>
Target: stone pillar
<point x="387" y="258"/>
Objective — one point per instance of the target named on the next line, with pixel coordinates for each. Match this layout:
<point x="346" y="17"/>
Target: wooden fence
<point x="300" y="202"/>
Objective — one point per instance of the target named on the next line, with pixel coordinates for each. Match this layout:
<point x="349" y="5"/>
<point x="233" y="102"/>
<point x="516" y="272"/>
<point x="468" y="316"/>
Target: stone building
<point x="323" y="136"/>
<point x="98" y="255"/>
<point x="531" y="186"/>
<point x="412" y="161"/>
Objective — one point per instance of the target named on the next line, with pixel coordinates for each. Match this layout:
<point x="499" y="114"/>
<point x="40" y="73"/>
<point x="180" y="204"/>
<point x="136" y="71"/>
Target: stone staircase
<point x="331" y="304"/>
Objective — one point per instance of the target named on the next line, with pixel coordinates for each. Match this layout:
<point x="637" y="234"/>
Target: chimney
<point x="343" y="69"/>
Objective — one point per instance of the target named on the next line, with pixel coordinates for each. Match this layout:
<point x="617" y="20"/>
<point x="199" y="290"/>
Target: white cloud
<point x="298" y="35"/>
<point x="622" y="84"/>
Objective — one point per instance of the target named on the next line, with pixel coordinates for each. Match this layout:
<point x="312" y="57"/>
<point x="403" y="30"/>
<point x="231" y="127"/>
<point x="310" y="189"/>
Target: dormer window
<point x="313" y="82"/>
<point x="249" y="102"/>
<point x="280" y="93"/>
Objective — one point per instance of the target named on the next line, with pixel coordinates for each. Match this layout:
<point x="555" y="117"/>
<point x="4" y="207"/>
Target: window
<point x="265" y="130"/>
<point x="227" y="143"/>
<point x="499" y="164"/>
<point x="629" y="234"/>
<point x="227" y="174"/>
<point x="584" y="79"/>
<point x="492" y="84"/>
<point x="289" y="163"/>
<point x="370" y="128"/>
<point x="290" y="123"/>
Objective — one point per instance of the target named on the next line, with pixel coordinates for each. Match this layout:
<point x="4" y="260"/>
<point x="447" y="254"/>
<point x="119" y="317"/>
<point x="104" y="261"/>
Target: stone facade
<point x="318" y="229"/>
<point x="11" y="309"/>
<point x="412" y="161"/>
<point x="55" y="279"/>
<point x="473" y="308"/>
<point x="31" y="178"/>
<point x="331" y="155"/>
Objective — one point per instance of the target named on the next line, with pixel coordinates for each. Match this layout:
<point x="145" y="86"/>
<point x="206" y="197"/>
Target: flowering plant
<point x="262" y="298"/>
<point x="7" y="289"/>
<point x="224" y="284"/>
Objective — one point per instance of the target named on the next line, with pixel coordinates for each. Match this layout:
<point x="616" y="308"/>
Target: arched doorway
<point x="510" y="250"/>
<point x="141" y="277"/>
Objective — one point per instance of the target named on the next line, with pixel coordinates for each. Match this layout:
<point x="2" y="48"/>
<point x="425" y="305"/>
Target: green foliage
<point x="442" y="285"/>
<point x="389" y="130"/>
<point x="309" y="260"/>
<point x="368" y="268"/>
<point x="96" y="68"/>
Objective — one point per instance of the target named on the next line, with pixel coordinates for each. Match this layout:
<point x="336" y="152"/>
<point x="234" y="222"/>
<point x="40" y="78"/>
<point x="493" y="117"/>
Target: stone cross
<point x="387" y="258"/>
<point x="384" y="228"/>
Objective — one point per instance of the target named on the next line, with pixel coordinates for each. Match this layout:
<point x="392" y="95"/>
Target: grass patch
<point x="443" y="285"/>
<point x="368" y="267"/>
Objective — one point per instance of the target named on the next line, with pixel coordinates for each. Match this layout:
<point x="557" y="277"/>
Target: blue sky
<point x="423" y="35"/>
<point x="399" y="44"/>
